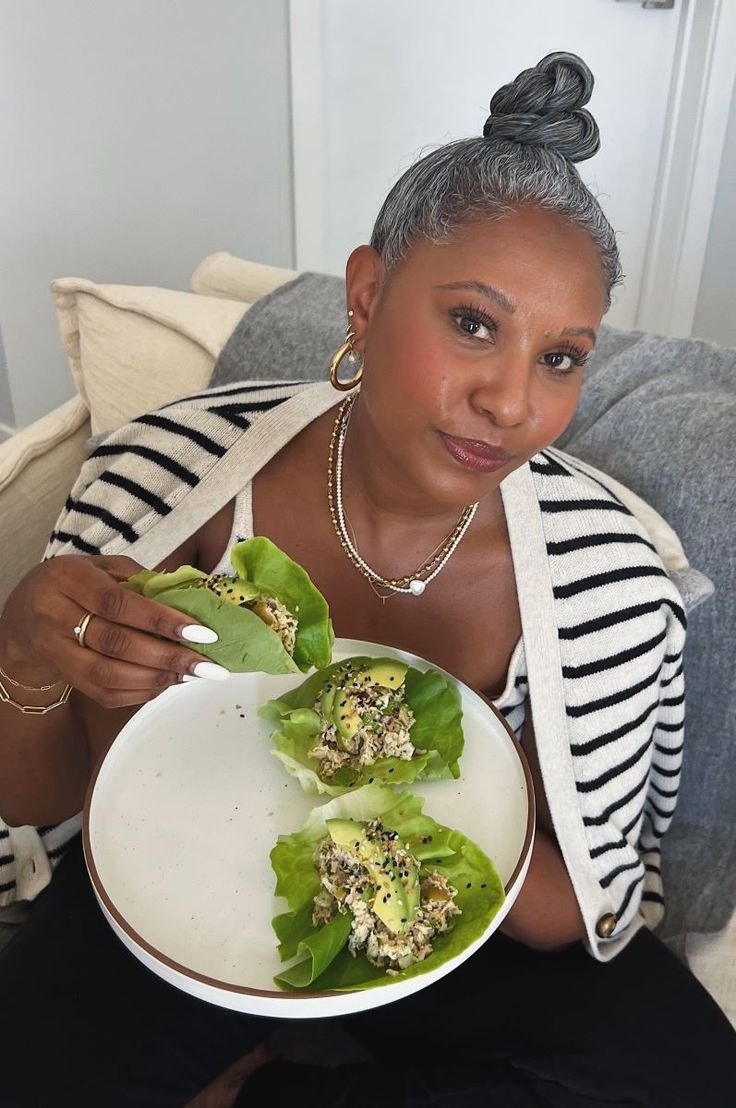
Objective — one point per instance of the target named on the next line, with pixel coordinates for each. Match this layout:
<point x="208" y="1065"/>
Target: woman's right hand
<point x="133" y="647"/>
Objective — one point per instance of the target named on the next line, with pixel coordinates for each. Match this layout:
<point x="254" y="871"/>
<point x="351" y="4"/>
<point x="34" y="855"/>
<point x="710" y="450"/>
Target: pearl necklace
<point x="415" y="583"/>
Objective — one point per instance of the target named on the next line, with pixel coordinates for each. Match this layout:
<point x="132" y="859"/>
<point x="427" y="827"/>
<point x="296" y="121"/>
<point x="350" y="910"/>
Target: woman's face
<point x="474" y="349"/>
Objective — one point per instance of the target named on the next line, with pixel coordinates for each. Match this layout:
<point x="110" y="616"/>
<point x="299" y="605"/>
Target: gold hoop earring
<point x="347" y="350"/>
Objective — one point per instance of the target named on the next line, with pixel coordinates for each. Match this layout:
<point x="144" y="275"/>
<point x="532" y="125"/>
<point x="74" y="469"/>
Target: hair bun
<point x="544" y="107"/>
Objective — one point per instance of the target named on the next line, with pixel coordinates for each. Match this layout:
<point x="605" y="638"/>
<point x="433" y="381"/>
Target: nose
<point x="503" y="393"/>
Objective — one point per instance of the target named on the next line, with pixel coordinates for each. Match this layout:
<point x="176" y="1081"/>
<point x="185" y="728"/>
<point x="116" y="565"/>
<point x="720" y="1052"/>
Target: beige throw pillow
<point x="131" y="348"/>
<point x="223" y="274"/>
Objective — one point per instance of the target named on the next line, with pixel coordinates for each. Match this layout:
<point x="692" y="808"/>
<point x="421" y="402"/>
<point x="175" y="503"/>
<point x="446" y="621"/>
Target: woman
<point x="472" y="313"/>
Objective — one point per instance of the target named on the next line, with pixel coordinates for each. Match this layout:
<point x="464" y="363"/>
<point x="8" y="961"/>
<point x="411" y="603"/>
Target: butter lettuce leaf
<point x="323" y="962"/>
<point x="437" y="729"/>
<point x="245" y="643"/>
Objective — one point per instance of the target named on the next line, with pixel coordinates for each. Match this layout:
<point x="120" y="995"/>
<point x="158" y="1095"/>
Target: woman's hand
<point x="133" y="647"/>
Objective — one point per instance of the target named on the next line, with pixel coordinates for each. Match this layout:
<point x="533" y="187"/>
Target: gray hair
<point x="537" y="129"/>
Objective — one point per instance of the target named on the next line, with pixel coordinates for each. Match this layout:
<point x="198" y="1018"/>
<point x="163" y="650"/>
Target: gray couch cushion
<point x="656" y="414"/>
<point x="290" y="334"/>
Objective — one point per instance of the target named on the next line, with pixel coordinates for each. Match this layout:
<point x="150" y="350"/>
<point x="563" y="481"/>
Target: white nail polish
<point x="195" y="632"/>
<point x="211" y="670"/>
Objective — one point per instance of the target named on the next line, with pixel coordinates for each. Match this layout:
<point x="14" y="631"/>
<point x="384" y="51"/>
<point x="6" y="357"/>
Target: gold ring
<point x="81" y="628"/>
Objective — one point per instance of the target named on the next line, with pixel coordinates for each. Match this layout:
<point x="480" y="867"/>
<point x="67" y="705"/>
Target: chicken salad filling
<point x="361" y="723"/>
<point x="366" y="870"/>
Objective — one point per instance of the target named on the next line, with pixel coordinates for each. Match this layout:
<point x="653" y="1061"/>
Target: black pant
<point x="83" y="1023"/>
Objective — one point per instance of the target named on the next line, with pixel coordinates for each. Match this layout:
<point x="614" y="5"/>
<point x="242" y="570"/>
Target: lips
<point x="475" y="454"/>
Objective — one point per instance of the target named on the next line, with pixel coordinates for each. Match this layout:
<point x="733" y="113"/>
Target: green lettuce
<point x="245" y="643"/>
<point x="437" y="729"/>
<point x="324" y="961"/>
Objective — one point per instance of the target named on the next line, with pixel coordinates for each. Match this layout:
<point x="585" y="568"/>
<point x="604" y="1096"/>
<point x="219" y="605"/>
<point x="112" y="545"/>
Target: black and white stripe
<point x="143" y="470"/>
<point x="621" y="635"/>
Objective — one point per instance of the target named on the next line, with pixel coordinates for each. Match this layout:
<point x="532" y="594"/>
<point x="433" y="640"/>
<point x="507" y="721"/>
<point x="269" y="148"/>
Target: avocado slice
<point x="387" y="674"/>
<point x="397" y="897"/>
<point x="235" y="590"/>
<point x="347" y="832"/>
<point x="327" y="699"/>
<point x="345" y="715"/>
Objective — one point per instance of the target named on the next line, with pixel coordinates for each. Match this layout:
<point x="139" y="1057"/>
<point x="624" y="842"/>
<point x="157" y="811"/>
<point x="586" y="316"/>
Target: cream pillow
<point x="223" y="274"/>
<point x="131" y="348"/>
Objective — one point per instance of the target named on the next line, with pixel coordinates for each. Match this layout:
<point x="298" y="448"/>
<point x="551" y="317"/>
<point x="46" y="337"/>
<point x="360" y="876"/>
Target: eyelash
<point x="476" y="314"/>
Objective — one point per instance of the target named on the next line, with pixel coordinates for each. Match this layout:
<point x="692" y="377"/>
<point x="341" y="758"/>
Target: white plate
<point x="186" y="806"/>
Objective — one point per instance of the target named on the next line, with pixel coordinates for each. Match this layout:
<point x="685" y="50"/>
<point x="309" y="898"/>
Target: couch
<point x="131" y="349"/>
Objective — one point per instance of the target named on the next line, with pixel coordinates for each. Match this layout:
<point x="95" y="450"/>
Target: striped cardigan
<point x="603" y="628"/>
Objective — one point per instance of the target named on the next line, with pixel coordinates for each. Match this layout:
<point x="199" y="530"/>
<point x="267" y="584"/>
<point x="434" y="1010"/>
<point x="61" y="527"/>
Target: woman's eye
<point x="474" y="325"/>
<point x="562" y="364"/>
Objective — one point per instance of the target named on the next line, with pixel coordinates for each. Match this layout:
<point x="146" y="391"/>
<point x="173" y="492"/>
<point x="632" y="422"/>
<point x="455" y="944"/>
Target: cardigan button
<point x="606" y="925"/>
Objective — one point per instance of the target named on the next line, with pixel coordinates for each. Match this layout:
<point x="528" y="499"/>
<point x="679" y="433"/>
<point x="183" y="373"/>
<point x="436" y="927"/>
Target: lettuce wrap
<point x="444" y="856"/>
<point x="269" y="617"/>
<point x="412" y="732"/>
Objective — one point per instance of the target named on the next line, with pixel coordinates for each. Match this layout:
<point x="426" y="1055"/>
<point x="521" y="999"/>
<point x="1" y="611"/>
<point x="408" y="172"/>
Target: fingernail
<point x="211" y="670"/>
<point x="188" y="677"/>
<point x="195" y="632"/>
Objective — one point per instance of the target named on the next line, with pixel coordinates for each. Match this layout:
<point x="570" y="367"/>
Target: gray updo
<point x="537" y="129"/>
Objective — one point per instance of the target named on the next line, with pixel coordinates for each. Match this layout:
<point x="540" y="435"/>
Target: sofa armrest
<point x="234" y="278"/>
<point x="38" y="467"/>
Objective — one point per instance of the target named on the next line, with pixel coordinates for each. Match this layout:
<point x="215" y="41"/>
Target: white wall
<point x="715" y="315"/>
<point x="398" y="78"/>
<point x="135" y="137"/>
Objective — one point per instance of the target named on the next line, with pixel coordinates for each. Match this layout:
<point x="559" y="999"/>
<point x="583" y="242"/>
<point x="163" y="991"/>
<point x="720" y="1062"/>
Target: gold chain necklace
<point x="413" y="584"/>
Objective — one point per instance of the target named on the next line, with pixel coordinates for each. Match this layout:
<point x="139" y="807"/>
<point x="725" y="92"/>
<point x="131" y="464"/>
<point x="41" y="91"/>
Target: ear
<point x="364" y="275"/>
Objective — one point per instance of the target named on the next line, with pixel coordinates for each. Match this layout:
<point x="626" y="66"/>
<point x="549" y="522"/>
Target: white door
<point x="376" y="83"/>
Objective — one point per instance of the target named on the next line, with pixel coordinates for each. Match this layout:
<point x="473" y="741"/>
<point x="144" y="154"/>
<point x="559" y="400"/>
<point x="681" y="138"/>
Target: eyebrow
<point x="588" y="332"/>
<point x="508" y="305"/>
<point x="485" y="290"/>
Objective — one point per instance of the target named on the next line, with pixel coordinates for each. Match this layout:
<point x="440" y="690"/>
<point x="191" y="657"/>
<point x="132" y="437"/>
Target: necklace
<point x="413" y="584"/>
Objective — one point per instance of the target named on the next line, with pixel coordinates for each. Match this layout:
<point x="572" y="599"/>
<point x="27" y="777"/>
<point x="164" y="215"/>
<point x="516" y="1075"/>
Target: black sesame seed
<point x="403" y="919"/>
<point x="484" y="886"/>
<point x="392" y="769"/>
<point x="371" y="780"/>
<point x="469" y="885"/>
